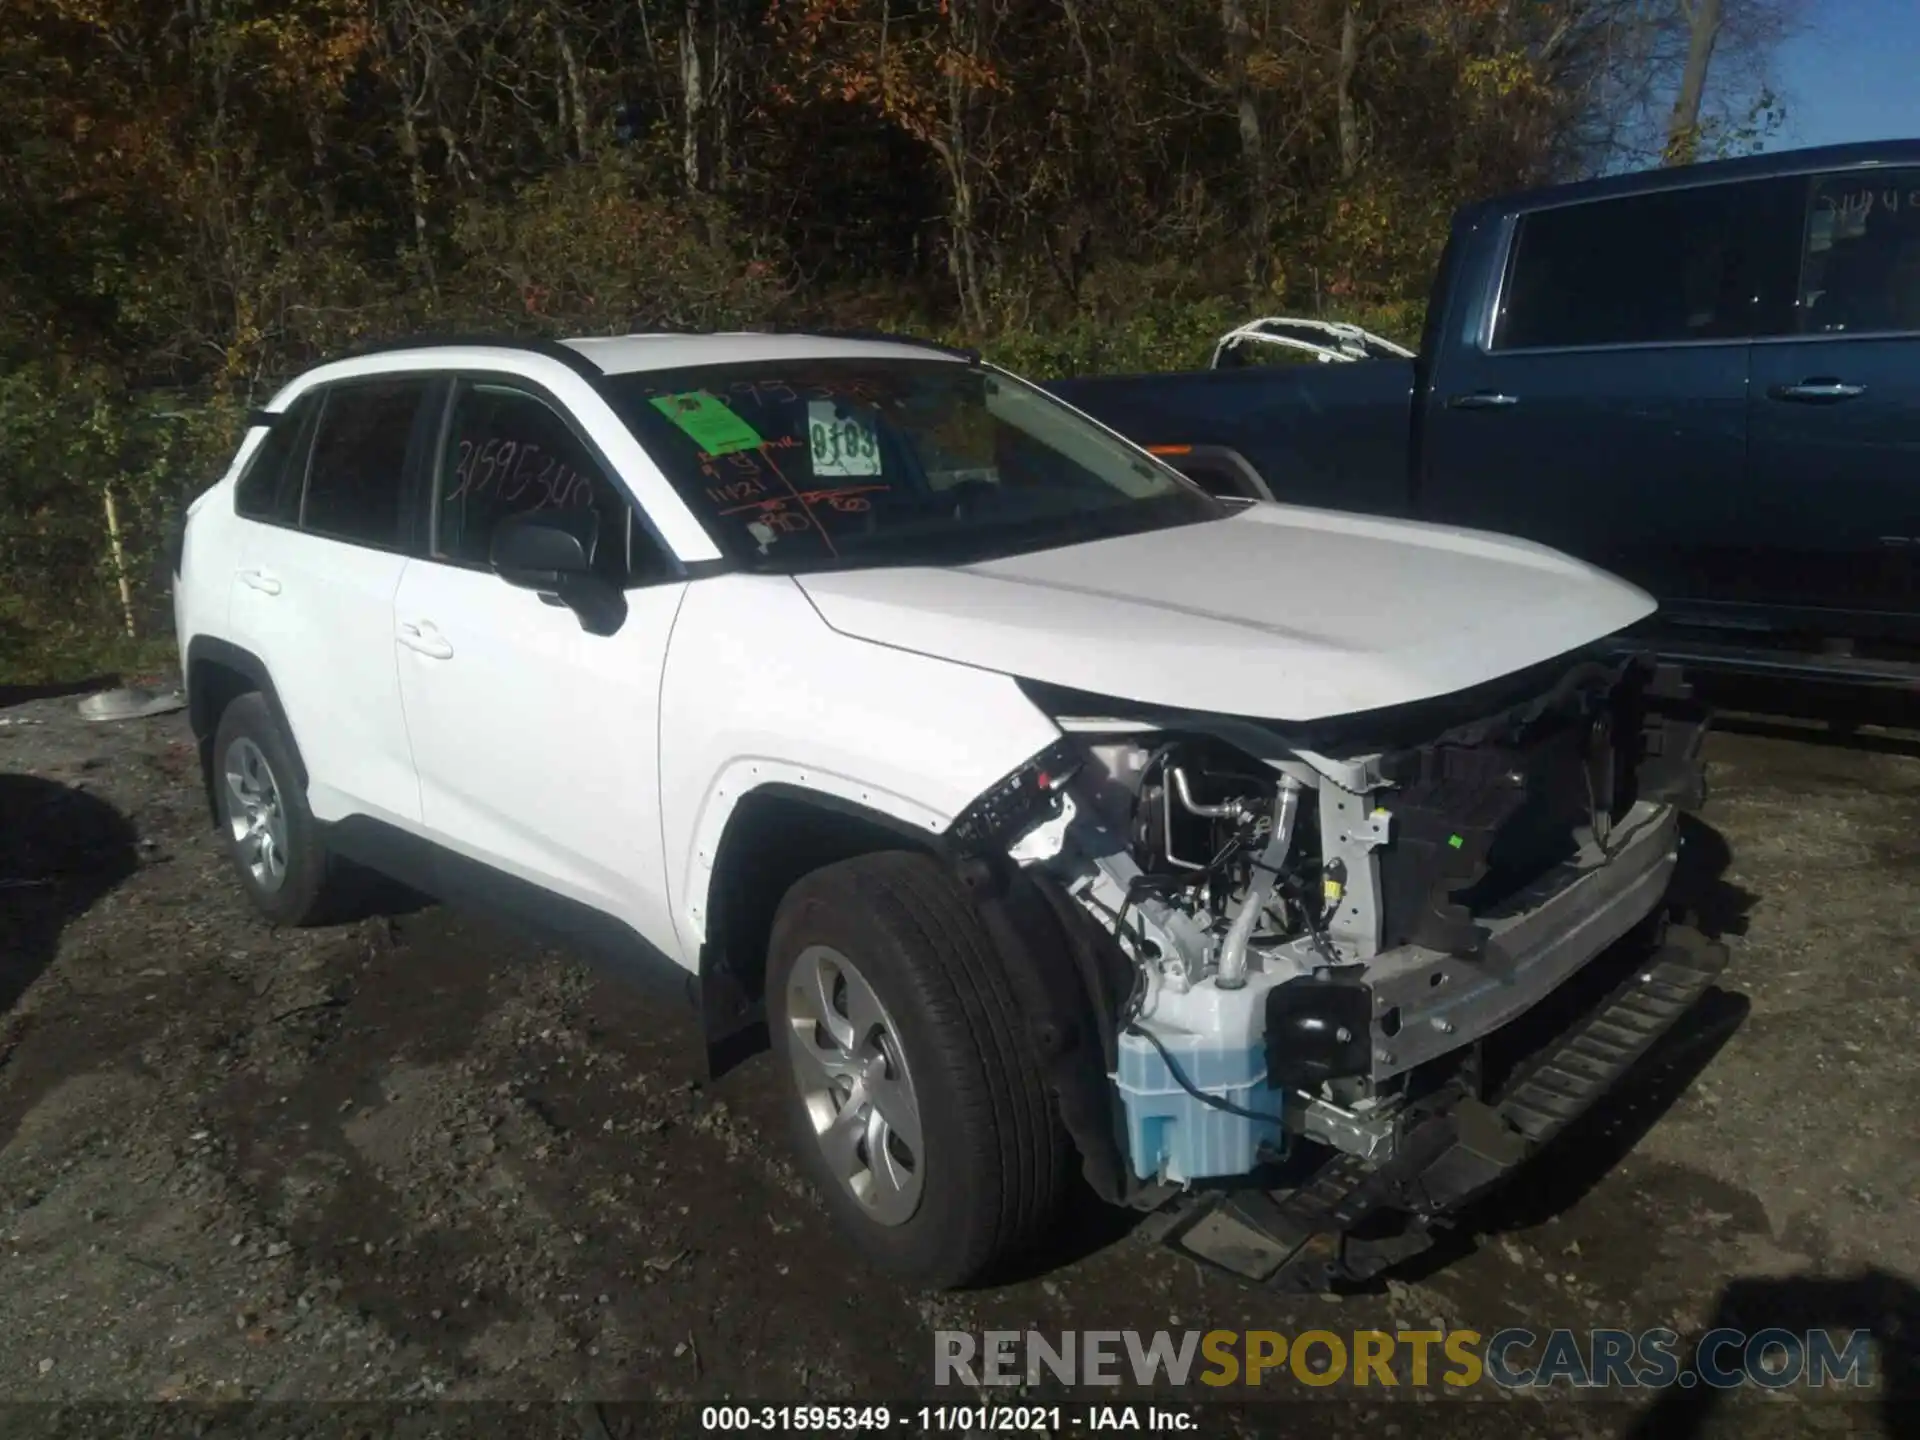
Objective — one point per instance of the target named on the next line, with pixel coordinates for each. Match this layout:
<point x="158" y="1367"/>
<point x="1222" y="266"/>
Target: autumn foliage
<point x="201" y="197"/>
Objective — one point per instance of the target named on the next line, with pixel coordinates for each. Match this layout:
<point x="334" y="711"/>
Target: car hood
<point x="1277" y="611"/>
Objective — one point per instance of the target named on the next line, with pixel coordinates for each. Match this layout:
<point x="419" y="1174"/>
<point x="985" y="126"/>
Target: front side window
<point x="356" y="476"/>
<point x="507" y="452"/>
<point x="1712" y="262"/>
<point x="833" y="463"/>
<point x="1861" y="269"/>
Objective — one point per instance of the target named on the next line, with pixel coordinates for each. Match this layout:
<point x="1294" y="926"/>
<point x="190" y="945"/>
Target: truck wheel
<point x="271" y="836"/>
<point x="916" y="1099"/>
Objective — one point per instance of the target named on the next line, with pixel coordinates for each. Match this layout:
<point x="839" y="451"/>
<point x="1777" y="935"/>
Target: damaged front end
<point x="1319" y="958"/>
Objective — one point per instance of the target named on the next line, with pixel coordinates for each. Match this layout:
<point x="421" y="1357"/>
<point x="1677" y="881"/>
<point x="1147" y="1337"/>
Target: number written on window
<point x="509" y="453"/>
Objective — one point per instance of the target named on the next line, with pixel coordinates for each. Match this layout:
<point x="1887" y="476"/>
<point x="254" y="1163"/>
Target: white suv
<point x="1035" y="802"/>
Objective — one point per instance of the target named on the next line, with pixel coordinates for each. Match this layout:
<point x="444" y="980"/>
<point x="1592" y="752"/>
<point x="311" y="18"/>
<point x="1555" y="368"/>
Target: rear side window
<point x="269" y="488"/>
<point x="1861" y="268"/>
<point x="1714" y="262"/>
<point x="356" y="476"/>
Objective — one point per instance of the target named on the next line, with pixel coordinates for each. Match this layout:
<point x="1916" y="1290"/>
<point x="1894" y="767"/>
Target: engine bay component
<point x="1319" y="1028"/>
<point x="1230" y="970"/>
<point x="1319" y="929"/>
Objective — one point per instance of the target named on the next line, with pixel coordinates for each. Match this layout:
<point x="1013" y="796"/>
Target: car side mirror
<point x="551" y="552"/>
<point x="544" y="549"/>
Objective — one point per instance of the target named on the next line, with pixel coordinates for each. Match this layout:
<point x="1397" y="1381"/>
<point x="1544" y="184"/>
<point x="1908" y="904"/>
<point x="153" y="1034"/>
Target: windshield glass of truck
<point x="832" y="463"/>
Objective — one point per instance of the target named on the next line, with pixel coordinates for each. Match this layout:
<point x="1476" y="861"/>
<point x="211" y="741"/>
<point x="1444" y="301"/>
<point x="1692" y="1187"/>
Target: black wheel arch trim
<point x="210" y="650"/>
<point x="1065" y="982"/>
<point x="732" y="1002"/>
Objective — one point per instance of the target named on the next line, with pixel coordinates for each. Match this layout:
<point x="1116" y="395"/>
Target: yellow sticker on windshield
<point x="706" y="420"/>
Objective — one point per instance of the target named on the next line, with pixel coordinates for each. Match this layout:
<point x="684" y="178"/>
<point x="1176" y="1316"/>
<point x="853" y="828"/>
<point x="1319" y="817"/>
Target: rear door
<point x="314" y="596"/>
<point x="1834" y="519"/>
<point x="1602" y="407"/>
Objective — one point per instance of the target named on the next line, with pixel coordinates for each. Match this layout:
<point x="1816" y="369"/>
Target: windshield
<point x="832" y="463"/>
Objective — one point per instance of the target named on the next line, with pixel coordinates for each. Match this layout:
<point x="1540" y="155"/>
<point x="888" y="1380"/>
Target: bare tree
<point x="693" y="98"/>
<point x="1703" y="32"/>
<point x="1237" y="31"/>
<point x="1349" y="120"/>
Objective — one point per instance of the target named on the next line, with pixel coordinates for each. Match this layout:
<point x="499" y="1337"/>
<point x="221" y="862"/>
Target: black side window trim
<point x="640" y="529"/>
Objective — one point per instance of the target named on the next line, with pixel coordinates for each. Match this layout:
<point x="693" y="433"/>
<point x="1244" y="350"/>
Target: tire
<point x="292" y="880"/>
<point x="944" y="1033"/>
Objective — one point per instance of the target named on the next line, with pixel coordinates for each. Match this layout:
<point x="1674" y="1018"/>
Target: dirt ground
<point x="417" y="1159"/>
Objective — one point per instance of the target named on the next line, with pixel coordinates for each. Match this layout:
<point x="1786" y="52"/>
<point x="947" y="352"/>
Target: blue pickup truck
<point x="1706" y="379"/>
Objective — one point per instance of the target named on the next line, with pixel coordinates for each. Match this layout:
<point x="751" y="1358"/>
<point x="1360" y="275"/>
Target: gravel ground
<point x="416" y="1159"/>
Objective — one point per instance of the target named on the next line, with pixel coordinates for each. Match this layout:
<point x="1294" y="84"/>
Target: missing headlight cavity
<point x="1306" y="925"/>
<point x="1218" y="874"/>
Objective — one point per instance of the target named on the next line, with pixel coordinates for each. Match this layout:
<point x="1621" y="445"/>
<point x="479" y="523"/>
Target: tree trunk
<point x="1253" y="145"/>
<point x="963" y="249"/>
<point x="693" y="95"/>
<point x="956" y="151"/>
<point x="576" y="95"/>
<point x="409" y="138"/>
<point x="720" y="87"/>
<point x="322" y="171"/>
<point x="1343" y="92"/>
<point x="1683" y="129"/>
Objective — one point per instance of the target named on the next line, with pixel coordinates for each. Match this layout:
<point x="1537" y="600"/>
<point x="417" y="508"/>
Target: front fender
<point x="760" y="691"/>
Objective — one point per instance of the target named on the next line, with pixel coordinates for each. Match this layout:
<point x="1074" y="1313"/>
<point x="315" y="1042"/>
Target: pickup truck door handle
<point x="1822" y="391"/>
<point x="425" y="639"/>
<point x="260" y="580"/>
<point x="1481" y="400"/>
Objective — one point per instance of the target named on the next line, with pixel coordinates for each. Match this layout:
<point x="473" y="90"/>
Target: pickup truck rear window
<point x="833" y="463"/>
<point x="1861" y="271"/>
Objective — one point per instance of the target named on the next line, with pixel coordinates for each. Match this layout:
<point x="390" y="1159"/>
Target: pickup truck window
<point x="1709" y="262"/>
<point x="835" y="463"/>
<point x="1861" y="269"/>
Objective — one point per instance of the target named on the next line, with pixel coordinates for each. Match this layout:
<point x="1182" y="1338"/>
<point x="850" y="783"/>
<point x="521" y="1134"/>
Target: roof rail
<point x="577" y="361"/>
<point x="536" y="344"/>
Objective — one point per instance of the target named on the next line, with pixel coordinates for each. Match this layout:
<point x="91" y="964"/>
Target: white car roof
<point x="624" y="354"/>
<point x="600" y="355"/>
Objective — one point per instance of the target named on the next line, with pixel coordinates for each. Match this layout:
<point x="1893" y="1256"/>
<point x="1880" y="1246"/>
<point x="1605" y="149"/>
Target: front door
<point x="536" y="743"/>
<point x="1605" y="411"/>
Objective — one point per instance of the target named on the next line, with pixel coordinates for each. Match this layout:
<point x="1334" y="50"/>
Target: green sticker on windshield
<point x="708" y="422"/>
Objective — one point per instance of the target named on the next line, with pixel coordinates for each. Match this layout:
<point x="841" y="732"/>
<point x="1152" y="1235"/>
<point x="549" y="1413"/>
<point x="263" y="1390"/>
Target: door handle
<point x="1817" y="392"/>
<point x="260" y="580"/>
<point x="1482" y="400"/>
<point x="424" y="639"/>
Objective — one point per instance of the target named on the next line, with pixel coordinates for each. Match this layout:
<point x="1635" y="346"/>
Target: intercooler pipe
<point x="1231" y="972"/>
